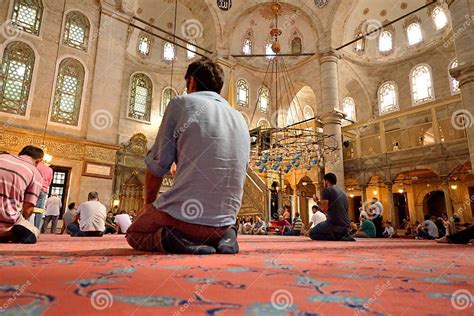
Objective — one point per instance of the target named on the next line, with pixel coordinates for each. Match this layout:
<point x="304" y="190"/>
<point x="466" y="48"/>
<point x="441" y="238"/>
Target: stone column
<point x="462" y="18"/>
<point x="331" y="117"/>
<point x="391" y="206"/>
<point x="447" y="197"/>
<point x="363" y="188"/>
<point x="104" y="111"/>
<point x="333" y="159"/>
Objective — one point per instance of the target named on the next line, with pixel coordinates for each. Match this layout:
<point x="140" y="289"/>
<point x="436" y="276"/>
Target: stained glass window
<point x="385" y="42"/>
<point x="296" y="46"/>
<point x="263" y="99"/>
<point x="242" y="93"/>
<point x="359" y="46"/>
<point x="247" y="47"/>
<point x="191" y="52"/>
<point x="439" y="17"/>
<point x="388" y="101"/>
<point x="169" y="52"/>
<point x="27" y="15"/>
<point x="68" y="92"/>
<point x="348" y="107"/>
<point x="144" y="45"/>
<point x="141" y="92"/>
<point x="414" y="33"/>
<point x="17" y="69"/>
<point x="421" y="84"/>
<point x="454" y="83"/>
<point x="167" y="95"/>
<point x="76" y="33"/>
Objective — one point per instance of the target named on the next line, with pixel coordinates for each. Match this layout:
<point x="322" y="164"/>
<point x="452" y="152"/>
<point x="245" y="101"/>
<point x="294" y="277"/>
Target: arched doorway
<point x="305" y="191"/>
<point x="434" y="203"/>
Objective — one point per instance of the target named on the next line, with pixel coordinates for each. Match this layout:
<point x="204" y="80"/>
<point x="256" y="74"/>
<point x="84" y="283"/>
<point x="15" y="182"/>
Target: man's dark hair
<point x="93" y="196"/>
<point x="314" y="207"/>
<point x="208" y="75"/>
<point x="71" y="206"/>
<point x="331" y="178"/>
<point x="32" y="151"/>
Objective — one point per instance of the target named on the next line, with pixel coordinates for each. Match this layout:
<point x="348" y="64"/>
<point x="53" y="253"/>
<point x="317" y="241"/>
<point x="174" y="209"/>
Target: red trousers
<point x="145" y="231"/>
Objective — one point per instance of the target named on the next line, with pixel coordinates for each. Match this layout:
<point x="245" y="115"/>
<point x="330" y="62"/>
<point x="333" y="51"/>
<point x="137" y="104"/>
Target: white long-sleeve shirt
<point x="53" y="205"/>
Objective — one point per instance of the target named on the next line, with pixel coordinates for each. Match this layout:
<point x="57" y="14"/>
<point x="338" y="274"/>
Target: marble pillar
<point x="447" y="198"/>
<point x="462" y="18"/>
<point x="390" y="211"/>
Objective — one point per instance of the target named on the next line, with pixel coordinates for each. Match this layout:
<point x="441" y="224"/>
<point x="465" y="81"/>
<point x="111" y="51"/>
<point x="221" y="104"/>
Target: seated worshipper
<point x="317" y="217"/>
<point x="69" y="217"/>
<point x="124" y="221"/>
<point x="247" y="226"/>
<point x="287" y="213"/>
<point x="47" y="174"/>
<point x="375" y="211"/>
<point x="353" y="228"/>
<point x="439" y="222"/>
<point x="20" y="183"/>
<point x="282" y="225"/>
<point x="428" y="229"/>
<point x="210" y="143"/>
<point x="90" y="219"/>
<point x="465" y="236"/>
<point x="389" y="230"/>
<point x="260" y="227"/>
<point x="110" y="226"/>
<point x="297" y="226"/>
<point x="366" y="229"/>
<point x="336" y="205"/>
<point x="53" y="207"/>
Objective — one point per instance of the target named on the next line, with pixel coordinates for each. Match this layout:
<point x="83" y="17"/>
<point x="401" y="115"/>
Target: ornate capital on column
<point x="464" y="73"/>
<point x="330" y="56"/>
<point x="334" y="117"/>
<point x="389" y="185"/>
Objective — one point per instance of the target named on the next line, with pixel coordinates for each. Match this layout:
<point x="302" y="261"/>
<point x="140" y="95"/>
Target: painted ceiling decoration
<point x="224" y="5"/>
<point x="321" y="3"/>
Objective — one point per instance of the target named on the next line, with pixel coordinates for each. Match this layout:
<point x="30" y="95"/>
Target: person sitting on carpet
<point x="366" y="229"/>
<point x="389" y="230"/>
<point x="287" y="213"/>
<point x="317" y="217"/>
<point x="428" y="229"/>
<point x="282" y="225"/>
<point x="69" y="217"/>
<point x="90" y="219"/>
<point x="20" y="182"/>
<point x="260" y="227"/>
<point x="465" y="236"/>
<point x="124" y="221"/>
<point x="110" y="226"/>
<point x="297" y="226"/>
<point x="247" y="226"/>
<point x="336" y="205"/>
<point x="210" y="143"/>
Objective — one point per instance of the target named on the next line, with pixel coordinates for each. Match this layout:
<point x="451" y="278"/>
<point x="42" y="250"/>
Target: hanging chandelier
<point x="297" y="146"/>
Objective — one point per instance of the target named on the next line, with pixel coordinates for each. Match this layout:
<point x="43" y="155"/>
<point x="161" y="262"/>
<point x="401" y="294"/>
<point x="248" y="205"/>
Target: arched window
<point x="263" y="99"/>
<point x="440" y="18"/>
<point x="421" y="84"/>
<point x="263" y="123"/>
<point x="144" y="45"/>
<point x="359" y="46"/>
<point x="76" y="32"/>
<point x="169" y="52"/>
<point x="141" y="93"/>
<point x="385" y="42"/>
<point x="17" y="71"/>
<point x="242" y="93"/>
<point x="388" y="99"/>
<point x="269" y="51"/>
<point x="349" y="108"/>
<point x="247" y="46"/>
<point x="27" y="15"/>
<point x="68" y="92"/>
<point x="414" y="33"/>
<point x="308" y="112"/>
<point x="296" y="46"/>
<point x="166" y="96"/>
<point x="191" y="52"/>
<point x="454" y="83"/>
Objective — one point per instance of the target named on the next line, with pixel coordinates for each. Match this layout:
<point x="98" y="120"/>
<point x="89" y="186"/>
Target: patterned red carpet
<point x="271" y="276"/>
